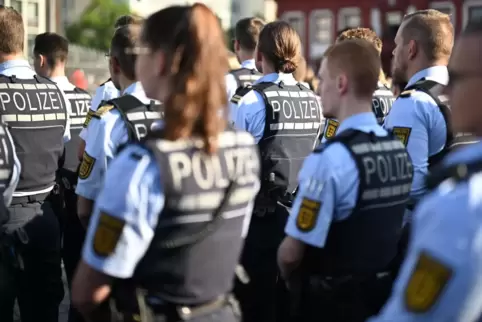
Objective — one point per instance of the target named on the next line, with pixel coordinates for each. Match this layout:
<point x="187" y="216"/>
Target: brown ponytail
<point x="196" y="62"/>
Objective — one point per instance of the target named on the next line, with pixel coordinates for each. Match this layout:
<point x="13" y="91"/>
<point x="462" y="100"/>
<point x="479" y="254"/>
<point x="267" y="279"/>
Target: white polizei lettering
<point x="390" y="168"/>
<point x="180" y="166"/>
<point x="42" y="100"/>
<point x="80" y="107"/>
<point x="271" y="94"/>
<point x="136" y="116"/>
<point x="19" y="101"/>
<point x="141" y="130"/>
<point x="55" y="97"/>
<point x="15" y="86"/>
<point x="203" y="170"/>
<point x="4" y="99"/>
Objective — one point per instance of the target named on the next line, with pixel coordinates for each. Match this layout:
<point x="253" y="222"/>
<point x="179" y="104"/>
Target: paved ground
<point x="64" y="306"/>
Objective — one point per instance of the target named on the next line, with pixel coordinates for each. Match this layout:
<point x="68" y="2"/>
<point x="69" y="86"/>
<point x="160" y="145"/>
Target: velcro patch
<point x="402" y="133"/>
<point x="86" y="166"/>
<point x="90" y="113"/>
<point x="331" y="128"/>
<point x="426" y="283"/>
<point x="103" y="110"/>
<point x="107" y="234"/>
<point x="308" y="214"/>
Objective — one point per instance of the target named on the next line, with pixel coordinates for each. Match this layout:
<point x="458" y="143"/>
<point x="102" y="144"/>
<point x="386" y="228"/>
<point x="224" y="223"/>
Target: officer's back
<point x="344" y="225"/>
<point x="124" y="119"/>
<point x="36" y="112"/>
<point x="382" y="97"/>
<point x="246" y="34"/>
<point x="440" y="278"/>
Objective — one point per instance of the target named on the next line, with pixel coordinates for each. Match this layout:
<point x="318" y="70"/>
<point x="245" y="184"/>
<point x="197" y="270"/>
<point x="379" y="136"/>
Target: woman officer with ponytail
<point x="174" y="210"/>
<point x="284" y="118"/>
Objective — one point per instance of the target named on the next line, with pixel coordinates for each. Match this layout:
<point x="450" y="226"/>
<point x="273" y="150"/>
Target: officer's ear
<point x="412" y="49"/>
<point x="42" y="60"/>
<point x="342" y="83"/>
<point x="115" y="64"/>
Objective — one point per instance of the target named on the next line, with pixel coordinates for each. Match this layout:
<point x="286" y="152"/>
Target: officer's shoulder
<point x="240" y="93"/>
<point x="135" y="152"/>
<point x="103" y="110"/>
<point x="331" y="151"/>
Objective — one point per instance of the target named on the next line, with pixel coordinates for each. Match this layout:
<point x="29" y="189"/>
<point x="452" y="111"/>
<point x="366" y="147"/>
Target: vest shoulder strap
<point x="458" y="172"/>
<point x="126" y="103"/>
<point x="240" y="92"/>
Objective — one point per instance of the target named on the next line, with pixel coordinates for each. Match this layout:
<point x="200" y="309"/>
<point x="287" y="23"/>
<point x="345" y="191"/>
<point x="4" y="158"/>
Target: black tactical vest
<point x="6" y="169"/>
<point x="195" y="249"/>
<point x="453" y="140"/>
<point x="382" y="102"/>
<point x="292" y="127"/>
<point x="245" y="76"/>
<point x="138" y="117"/>
<point x="367" y="240"/>
<point x="80" y="103"/>
<point x="35" y="112"/>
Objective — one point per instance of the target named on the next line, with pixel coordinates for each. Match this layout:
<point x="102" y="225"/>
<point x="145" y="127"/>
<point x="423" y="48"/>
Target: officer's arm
<point x="91" y="170"/>
<point x="94" y="105"/>
<point x="311" y="214"/>
<point x="231" y="85"/>
<point x="250" y="114"/>
<point x="436" y="277"/>
<point x="7" y="195"/>
<point x="121" y="229"/>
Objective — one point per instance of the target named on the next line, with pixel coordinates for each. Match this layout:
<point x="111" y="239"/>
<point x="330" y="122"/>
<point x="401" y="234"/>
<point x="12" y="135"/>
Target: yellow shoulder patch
<point x="308" y="214"/>
<point x="406" y="93"/>
<point x="90" y="113"/>
<point x="428" y="280"/>
<point x="107" y="235"/>
<point x="331" y="128"/>
<point x="86" y="166"/>
<point x="103" y="110"/>
<point x="402" y="133"/>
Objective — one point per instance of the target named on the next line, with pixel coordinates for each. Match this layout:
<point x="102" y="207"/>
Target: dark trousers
<point x="73" y="240"/>
<point x="37" y="283"/>
<point x="264" y="298"/>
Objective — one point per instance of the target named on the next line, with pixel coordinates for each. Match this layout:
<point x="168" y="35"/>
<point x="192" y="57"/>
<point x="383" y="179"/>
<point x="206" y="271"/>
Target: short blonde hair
<point x="360" y="61"/>
<point x="362" y="33"/>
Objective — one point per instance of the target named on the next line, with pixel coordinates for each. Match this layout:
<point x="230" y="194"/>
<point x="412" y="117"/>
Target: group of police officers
<point x="240" y="185"/>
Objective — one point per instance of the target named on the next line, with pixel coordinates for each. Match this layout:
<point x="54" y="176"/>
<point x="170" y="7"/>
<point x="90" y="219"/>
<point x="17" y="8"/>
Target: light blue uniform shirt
<point x="231" y="84"/>
<point x="447" y="226"/>
<point x="250" y="112"/>
<point x="331" y="178"/>
<point x="421" y="117"/>
<point x="133" y="193"/>
<point x="22" y="70"/>
<point x="104" y="138"/>
<point x="105" y="92"/>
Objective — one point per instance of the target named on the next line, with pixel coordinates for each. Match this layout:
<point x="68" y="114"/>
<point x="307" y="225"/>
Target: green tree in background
<point x="95" y="27"/>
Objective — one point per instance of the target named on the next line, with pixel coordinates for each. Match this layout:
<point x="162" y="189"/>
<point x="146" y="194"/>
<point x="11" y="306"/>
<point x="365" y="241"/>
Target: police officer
<point x="126" y="118"/>
<point x="37" y="114"/>
<point x="284" y="118"/>
<point x="246" y="34"/>
<point x="170" y="217"/>
<point x="440" y="278"/>
<point x="106" y="90"/>
<point x="382" y="97"/>
<point x="50" y="56"/>
<point x="345" y="222"/>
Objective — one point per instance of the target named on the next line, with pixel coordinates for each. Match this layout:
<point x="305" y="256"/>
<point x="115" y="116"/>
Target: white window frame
<point x="323" y="13"/>
<point x="348" y="11"/>
<point x="441" y="5"/>
<point x="286" y="16"/>
<point x="465" y="10"/>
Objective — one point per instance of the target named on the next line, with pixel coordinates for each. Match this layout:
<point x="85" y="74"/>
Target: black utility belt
<point x="323" y="280"/>
<point x="30" y="199"/>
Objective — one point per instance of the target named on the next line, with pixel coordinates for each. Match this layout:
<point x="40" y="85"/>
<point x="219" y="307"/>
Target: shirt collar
<point x="357" y="120"/>
<point x="249" y="64"/>
<point x="274" y="77"/>
<point x="60" y="79"/>
<point x="14" y="63"/>
<point x="438" y="74"/>
<point x="133" y="88"/>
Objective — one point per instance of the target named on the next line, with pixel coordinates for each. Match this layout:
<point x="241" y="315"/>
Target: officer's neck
<point x="418" y="66"/>
<point x="124" y="83"/>
<point x="353" y="106"/>
<point x="8" y="57"/>
<point x="58" y="71"/>
<point x="244" y="56"/>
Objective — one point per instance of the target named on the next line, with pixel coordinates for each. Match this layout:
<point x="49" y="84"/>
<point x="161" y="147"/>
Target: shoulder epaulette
<point x="240" y="92"/>
<point x="89" y="116"/>
<point x="407" y="93"/>
<point x="101" y="111"/>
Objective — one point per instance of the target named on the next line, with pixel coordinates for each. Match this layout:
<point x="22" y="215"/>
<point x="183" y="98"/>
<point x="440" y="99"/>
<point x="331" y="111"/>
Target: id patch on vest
<point x="90" y="113"/>
<point x="426" y="284"/>
<point x="308" y="214"/>
<point x="86" y="166"/>
<point x="331" y="128"/>
<point x="107" y="234"/>
<point x="402" y="133"/>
